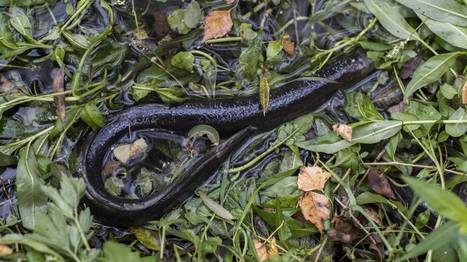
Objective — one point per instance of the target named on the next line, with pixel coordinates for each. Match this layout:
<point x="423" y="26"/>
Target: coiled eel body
<point x="237" y="118"/>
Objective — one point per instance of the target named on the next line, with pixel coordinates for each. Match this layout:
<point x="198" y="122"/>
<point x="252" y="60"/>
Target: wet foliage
<point x="378" y="173"/>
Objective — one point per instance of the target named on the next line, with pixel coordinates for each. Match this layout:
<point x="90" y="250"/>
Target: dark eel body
<point x="239" y="118"/>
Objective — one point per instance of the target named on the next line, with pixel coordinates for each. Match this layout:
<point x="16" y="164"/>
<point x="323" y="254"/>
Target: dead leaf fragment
<point x="6" y="86"/>
<point x="344" y="230"/>
<point x="315" y="208"/>
<point x="5" y="251"/>
<point x="57" y="87"/>
<point x="288" y="46"/>
<point x="266" y="250"/>
<point x="373" y="215"/>
<point x="345" y="131"/>
<point x="217" y="24"/>
<point x="229" y="1"/>
<point x="126" y="152"/>
<point x="378" y="182"/>
<point x="312" y="178"/>
<point x="464" y="93"/>
<point x="261" y="250"/>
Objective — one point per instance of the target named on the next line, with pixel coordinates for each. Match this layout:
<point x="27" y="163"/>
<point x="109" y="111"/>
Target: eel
<point x="237" y="118"/>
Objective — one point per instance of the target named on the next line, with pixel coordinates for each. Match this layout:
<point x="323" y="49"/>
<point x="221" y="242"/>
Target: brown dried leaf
<point x="6" y="86"/>
<point x="125" y="152"/>
<point x="110" y="167"/>
<point x="345" y="131"/>
<point x="217" y="24"/>
<point x="57" y="86"/>
<point x="315" y="208"/>
<point x="378" y="182"/>
<point x="373" y="215"/>
<point x="464" y="93"/>
<point x="397" y="107"/>
<point x="230" y="1"/>
<point x="261" y="250"/>
<point x="344" y="230"/>
<point x="5" y="251"/>
<point x="288" y="46"/>
<point x="312" y="178"/>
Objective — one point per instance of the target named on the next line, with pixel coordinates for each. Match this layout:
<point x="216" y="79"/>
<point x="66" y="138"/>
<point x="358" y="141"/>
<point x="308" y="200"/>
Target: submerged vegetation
<point x="378" y="173"/>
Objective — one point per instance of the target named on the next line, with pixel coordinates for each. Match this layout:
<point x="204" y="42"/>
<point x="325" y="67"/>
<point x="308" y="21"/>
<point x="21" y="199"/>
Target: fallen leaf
<point x="315" y="208"/>
<point x="266" y="250"/>
<point x="464" y="93"/>
<point x="396" y="108"/>
<point x="5" y="251"/>
<point x="261" y="250"/>
<point x="373" y="215"/>
<point x="217" y="24"/>
<point x="110" y="167"/>
<point x="344" y="230"/>
<point x="147" y="237"/>
<point x="125" y="152"/>
<point x="312" y="178"/>
<point x="345" y="131"/>
<point x="378" y="182"/>
<point x="6" y="86"/>
<point x="229" y="1"/>
<point x="57" y="86"/>
<point x="288" y="46"/>
<point x="273" y="251"/>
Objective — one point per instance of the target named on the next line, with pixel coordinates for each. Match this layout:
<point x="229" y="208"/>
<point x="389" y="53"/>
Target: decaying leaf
<point x="396" y="108"/>
<point x="261" y="250"/>
<point x="217" y="24"/>
<point x="288" y="46"/>
<point x="6" y="86"/>
<point x="125" y="152"/>
<point x="378" y="182"/>
<point x="57" y="86"/>
<point x="110" y="167"/>
<point x="373" y="215"/>
<point x="344" y="230"/>
<point x="312" y="178"/>
<point x="147" y="237"/>
<point x="315" y="208"/>
<point x="229" y="1"/>
<point x="264" y="93"/>
<point x="464" y="93"/>
<point x="5" y="251"/>
<point x="266" y="250"/>
<point x="345" y="131"/>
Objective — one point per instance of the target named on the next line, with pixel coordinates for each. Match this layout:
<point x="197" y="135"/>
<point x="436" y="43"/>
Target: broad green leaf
<point x="31" y="198"/>
<point x="449" y="11"/>
<point x="34" y="244"/>
<point x="116" y="252"/>
<point x="388" y="14"/>
<point x="249" y="60"/>
<point x="375" y="131"/>
<point x="448" y="91"/>
<point x="273" y="51"/>
<point x="7" y="160"/>
<point x="183" y="20"/>
<point x="359" y="106"/>
<point x="92" y="116"/>
<point x="442" y="236"/>
<point x="183" y="60"/>
<point x="216" y="207"/>
<point x="20" y="22"/>
<point x="430" y="71"/>
<point x="442" y="201"/>
<point x="455" y="35"/>
<point x="457" y="129"/>
<point x="328" y="144"/>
